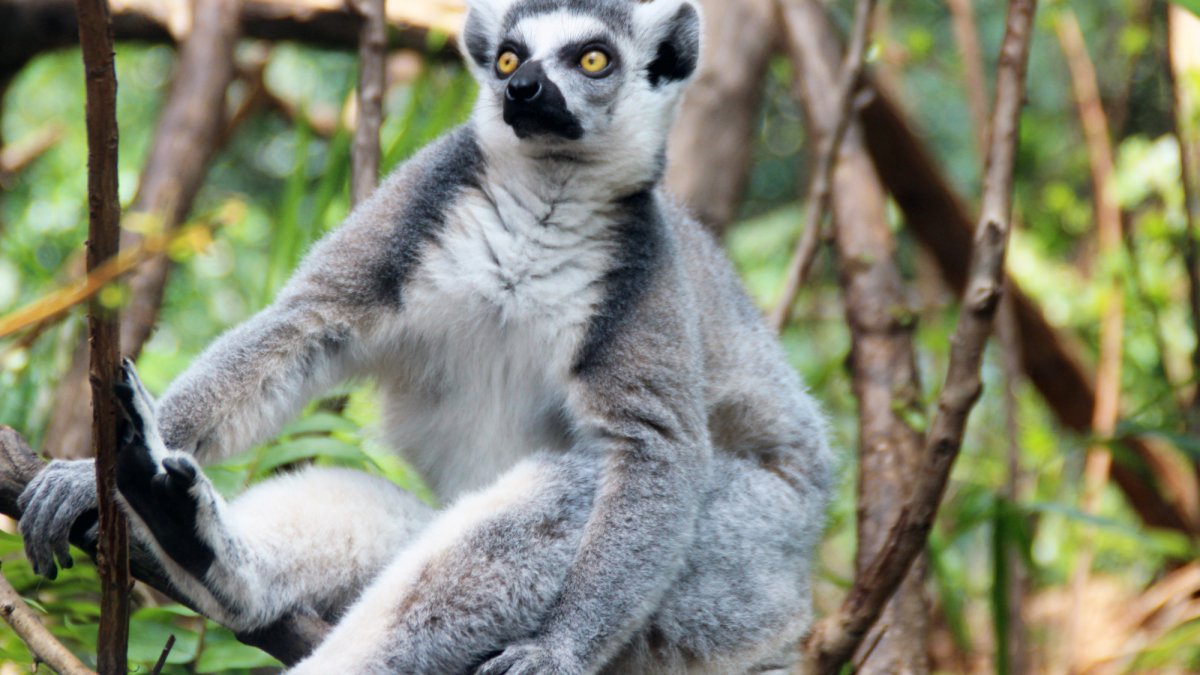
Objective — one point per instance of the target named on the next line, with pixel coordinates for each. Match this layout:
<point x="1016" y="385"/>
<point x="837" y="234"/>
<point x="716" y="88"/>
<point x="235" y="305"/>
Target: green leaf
<point x="222" y="653"/>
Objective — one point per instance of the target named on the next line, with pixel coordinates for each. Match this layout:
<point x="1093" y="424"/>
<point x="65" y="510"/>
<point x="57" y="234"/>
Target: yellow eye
<point x="594" y="61"/>
<point x="507" y="63"/>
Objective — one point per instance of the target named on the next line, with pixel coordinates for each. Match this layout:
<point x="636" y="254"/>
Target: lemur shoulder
<point x="634" y="478"/>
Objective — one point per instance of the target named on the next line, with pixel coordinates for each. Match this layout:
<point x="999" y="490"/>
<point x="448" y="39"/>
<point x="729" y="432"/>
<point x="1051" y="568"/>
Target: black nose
<point x="525" y="86"/>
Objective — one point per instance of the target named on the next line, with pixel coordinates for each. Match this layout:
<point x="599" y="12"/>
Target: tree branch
<point x="1109" y="237"/>
<point x="821" y="183"/>
<point x="1182" y="29"/>
<point x="936" y="215"/>
<point x="836" y="637"/>
<point x="45" y="647"/>
<point x="104" y="222"/>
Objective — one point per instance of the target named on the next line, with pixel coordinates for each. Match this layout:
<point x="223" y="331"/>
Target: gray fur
<point x="634" y="478"/>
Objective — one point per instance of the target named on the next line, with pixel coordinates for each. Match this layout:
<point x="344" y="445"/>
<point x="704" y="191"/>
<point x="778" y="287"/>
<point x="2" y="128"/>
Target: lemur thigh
<point x="309" y="540"/>
<point x="480" y="577"/>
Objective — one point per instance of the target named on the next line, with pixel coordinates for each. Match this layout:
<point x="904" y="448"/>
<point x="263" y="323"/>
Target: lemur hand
<point x="59" y="500"/>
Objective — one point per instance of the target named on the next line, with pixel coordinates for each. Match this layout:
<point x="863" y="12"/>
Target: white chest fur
<point x="492" y="320"/>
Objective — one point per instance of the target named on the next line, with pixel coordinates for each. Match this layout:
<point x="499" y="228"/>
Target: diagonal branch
<point x="44" y="646"/>
<point x="835" y="638"/>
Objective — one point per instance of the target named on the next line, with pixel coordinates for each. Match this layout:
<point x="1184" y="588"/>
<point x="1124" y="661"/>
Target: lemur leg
<point x="308" y="541"/>
<point x="479" y="578"/>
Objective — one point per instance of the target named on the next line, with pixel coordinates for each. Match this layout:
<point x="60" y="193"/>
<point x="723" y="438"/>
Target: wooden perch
<point x="836" y="637"/>
<point x="289" y="639"/>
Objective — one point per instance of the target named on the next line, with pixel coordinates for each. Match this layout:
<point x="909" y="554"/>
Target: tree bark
<point x="104" y="233"/>
<point x="183" y="146"/>
<point x="709" y="151"/>
<point x="882" y="358"/>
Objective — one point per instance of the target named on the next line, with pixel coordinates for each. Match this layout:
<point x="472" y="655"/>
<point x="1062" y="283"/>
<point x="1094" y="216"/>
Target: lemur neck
<point x="565" y="174"/>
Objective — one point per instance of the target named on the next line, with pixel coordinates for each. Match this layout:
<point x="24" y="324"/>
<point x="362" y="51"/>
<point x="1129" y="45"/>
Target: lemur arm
<point x="257" y="376"/>
<point x="638" y="407"/>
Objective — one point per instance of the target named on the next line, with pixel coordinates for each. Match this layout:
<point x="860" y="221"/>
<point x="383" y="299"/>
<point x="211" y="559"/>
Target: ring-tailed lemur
<point x="635" y="478"/>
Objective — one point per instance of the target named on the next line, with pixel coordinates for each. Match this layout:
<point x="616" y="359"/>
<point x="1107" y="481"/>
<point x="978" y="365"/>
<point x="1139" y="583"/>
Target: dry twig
<point x="817" y="200"/>
<point x="835" y="638"/>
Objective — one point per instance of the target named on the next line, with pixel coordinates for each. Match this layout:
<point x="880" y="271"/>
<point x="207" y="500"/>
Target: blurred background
<point x="1028" y="568"/>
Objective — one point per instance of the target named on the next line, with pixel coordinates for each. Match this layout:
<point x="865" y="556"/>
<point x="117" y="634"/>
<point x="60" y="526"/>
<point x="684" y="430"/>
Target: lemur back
<point x="633" y="478"/>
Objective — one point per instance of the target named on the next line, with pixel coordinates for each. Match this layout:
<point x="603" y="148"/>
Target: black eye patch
<point x="570" y="53"/>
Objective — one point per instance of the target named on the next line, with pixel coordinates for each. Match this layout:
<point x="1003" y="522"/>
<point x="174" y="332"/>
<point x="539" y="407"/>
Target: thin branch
<point x="820" y="186"/>
<point x="882" y="358"/>
<point x="162" y="658"/>
<point x="44" y="646"/>
<point x="372" y="80"/>
<point x="835" y="638"/>
<point x="966" y="34"/>
<point x="104" y="220"/>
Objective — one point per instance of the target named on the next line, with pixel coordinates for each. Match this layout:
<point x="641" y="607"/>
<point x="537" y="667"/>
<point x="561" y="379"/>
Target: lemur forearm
<point x="634" y="546"/>
<point x="254" y="378"/>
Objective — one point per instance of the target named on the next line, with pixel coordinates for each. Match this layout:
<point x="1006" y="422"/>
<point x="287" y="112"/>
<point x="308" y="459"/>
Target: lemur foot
<point x="165" y="489"/>
<point x="530" y="658"/>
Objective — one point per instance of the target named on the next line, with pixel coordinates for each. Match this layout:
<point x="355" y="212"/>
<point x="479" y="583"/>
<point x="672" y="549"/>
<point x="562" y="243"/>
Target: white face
<point x="581" y="78"/>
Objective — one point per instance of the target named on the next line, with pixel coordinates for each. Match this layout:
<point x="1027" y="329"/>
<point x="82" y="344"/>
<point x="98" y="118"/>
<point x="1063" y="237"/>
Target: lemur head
<point x="581" y="78"/>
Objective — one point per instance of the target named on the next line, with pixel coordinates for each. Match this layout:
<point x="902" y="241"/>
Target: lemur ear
<point x="678" y="35"/>
<point x="480" y="30"/>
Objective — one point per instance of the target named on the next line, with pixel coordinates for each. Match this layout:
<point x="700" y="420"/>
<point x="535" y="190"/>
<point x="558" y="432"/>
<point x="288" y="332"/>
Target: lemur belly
<point x="495" y="316"/>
